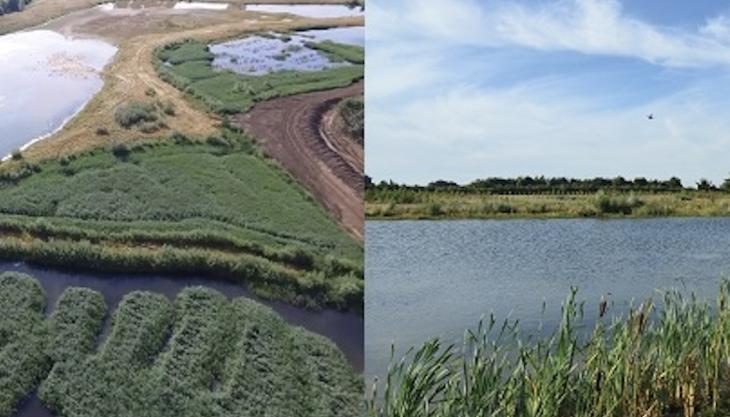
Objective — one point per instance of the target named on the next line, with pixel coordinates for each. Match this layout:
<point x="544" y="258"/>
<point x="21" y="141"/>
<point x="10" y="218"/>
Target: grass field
<point x="202" y="355"/>
<point x="181" y="206"/>
<point x="669" y="361"/>
<point x="449" y="205"/>
<point x="188" y="67"/>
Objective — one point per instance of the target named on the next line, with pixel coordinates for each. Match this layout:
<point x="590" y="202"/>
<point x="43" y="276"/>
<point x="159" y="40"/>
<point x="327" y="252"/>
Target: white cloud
<point x="426" y="118"/>
<point x="586" y="26"/>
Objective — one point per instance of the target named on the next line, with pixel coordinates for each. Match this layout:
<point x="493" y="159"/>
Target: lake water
<point x="259" y="55"/>
<point x="437" y="278"/>
<point x="345" y="329"/>
<point x="45" y="78"/>
<point x="184" y="5"/>
<point x="308" y="10"/>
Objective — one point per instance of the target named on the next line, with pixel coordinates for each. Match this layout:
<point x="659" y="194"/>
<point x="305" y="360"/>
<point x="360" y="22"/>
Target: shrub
<point x="102" y="131"/>
<point x="17" y="155"/>
<point x="121" y="150"/>
<point x="133" y="113"/>
<point x="617" y="204"/>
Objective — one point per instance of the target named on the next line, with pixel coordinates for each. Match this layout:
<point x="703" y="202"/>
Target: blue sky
<point x="465" y="89"/>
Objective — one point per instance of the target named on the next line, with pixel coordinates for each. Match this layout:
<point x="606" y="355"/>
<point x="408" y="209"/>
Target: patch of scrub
<point x="260" y="55"/>
<point x="200" y="5"/>
<point x="64" y="72"/>
<point x="308" y="10"/>
<point x="354" y="35"/>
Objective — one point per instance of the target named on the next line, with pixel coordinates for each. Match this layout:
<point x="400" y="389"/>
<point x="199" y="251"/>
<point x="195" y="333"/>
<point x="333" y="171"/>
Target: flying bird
<point x="650" y="116"/>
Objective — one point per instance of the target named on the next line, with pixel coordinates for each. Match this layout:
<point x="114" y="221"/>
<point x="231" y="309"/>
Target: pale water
<point x="45" y="78"/>
<point x="259" y="55"/>
<point x="428" y="279"/>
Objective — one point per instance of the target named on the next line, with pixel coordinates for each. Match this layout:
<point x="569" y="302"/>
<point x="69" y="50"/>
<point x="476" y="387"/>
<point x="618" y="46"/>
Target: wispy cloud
<point x="586" y="26"/>
<point x="447" y="97"/>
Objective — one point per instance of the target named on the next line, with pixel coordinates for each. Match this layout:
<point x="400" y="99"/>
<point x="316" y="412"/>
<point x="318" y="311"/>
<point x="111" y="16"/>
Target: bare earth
<point x="137" y="33"/>
<point x="290" y="130"/>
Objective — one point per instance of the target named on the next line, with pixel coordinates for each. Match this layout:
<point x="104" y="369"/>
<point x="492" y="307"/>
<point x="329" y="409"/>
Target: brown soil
<point x="290" y="130"/>
<point x="338" y="135"/>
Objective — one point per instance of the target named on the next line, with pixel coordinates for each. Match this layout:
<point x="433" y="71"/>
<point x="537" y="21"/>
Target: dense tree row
<point x="199" y="356"/>
<point x="538" y="185"/>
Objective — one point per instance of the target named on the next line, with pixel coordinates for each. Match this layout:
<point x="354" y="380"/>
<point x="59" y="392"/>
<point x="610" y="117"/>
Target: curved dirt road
<point x="289" y="130"/>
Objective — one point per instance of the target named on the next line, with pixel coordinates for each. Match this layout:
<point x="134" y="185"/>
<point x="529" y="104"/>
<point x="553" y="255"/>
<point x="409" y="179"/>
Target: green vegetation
<point x="22" y="339"/>
<point x="339" y="51"/>
<point x="201" y="356"/>
<point x="352" y="111"/>
<point x="181" y="206"/>
<point x="188" y="67"/>
<point x="10" y="6"/>
<point x="545" y="198"/>
<point x="669" y="362"/>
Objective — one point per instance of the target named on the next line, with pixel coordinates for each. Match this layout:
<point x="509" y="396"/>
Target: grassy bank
<point x="188" y="67"/>
<point x="181" y="206"/>
<point x="669" y="361"/>
<point x="201" y="355"/>
<point x="449" y="205"/>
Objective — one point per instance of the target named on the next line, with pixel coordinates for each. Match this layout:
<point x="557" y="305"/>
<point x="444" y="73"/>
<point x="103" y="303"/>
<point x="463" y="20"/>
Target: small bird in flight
<point x="650" y="116"/>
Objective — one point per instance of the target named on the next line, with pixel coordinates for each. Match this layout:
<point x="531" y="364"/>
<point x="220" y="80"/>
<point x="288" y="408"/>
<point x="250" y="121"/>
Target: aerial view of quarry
<point x="181" y="208"/>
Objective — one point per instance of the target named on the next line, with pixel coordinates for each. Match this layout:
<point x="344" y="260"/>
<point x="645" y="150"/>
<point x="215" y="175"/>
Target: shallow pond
<point x="428" y="279"/>
<point x="184" y="5"/>
<point x="45" y="79"/>
<point x="345" y="329"/>
<point x="259" y="55"/>
<point x="308" y="10"/>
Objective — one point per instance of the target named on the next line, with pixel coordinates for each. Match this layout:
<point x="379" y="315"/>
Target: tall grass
<point x="670" y="361"/>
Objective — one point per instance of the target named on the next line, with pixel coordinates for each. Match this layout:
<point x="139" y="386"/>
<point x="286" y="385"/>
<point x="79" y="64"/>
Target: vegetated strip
<point x="184" y="361"/>
<point x="109" y="210"/>
<point x="670" y="362"/>
<point x="545" y="198"/>
<point x="23" y="338"/>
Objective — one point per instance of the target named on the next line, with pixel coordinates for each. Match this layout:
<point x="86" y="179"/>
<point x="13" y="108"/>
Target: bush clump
<point x="617" y="204"/>
<point x="134" y="113"/>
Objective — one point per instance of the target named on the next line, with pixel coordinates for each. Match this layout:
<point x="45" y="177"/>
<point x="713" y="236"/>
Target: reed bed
<point x="669" y="360"/>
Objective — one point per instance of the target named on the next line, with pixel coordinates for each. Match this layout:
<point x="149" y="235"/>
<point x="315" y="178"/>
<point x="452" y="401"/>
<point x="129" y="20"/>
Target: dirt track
<point x="289" y="130"/>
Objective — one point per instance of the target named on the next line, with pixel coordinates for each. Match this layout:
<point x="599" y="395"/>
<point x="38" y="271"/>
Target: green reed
<point x="669" y="360"/>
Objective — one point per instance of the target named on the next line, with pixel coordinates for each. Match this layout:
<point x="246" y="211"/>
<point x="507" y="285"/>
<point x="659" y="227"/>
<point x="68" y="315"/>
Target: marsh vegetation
<point x="199" y="355"/>
<point x="655" y="361"/>
<point x="547" y="198"/>
<point x="181" y="205"/>
<point x="188" y="66"/>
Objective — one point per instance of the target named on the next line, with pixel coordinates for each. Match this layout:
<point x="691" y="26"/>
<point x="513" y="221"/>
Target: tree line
<point x="550" y="185"/>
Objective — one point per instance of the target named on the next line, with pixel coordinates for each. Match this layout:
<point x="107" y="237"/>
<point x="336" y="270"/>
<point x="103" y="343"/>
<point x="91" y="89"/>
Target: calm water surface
<point x="65" y="72"/>
<point x="345" y="329"/>
<point x="259" y="55"/>
<point x="427" y="279"/>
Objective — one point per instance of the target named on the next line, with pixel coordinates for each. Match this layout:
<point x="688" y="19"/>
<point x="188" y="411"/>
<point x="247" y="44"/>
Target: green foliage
<point x="134" y="113"/>
<point x="23" y="334"/>
<point x="617" y="204"/>
<point x="204" y="356"/>
<point x="339" y="52"/>
<point x="180" y="207"/>
<point x="187" y="66"/>
<point x="670" y="362"/>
